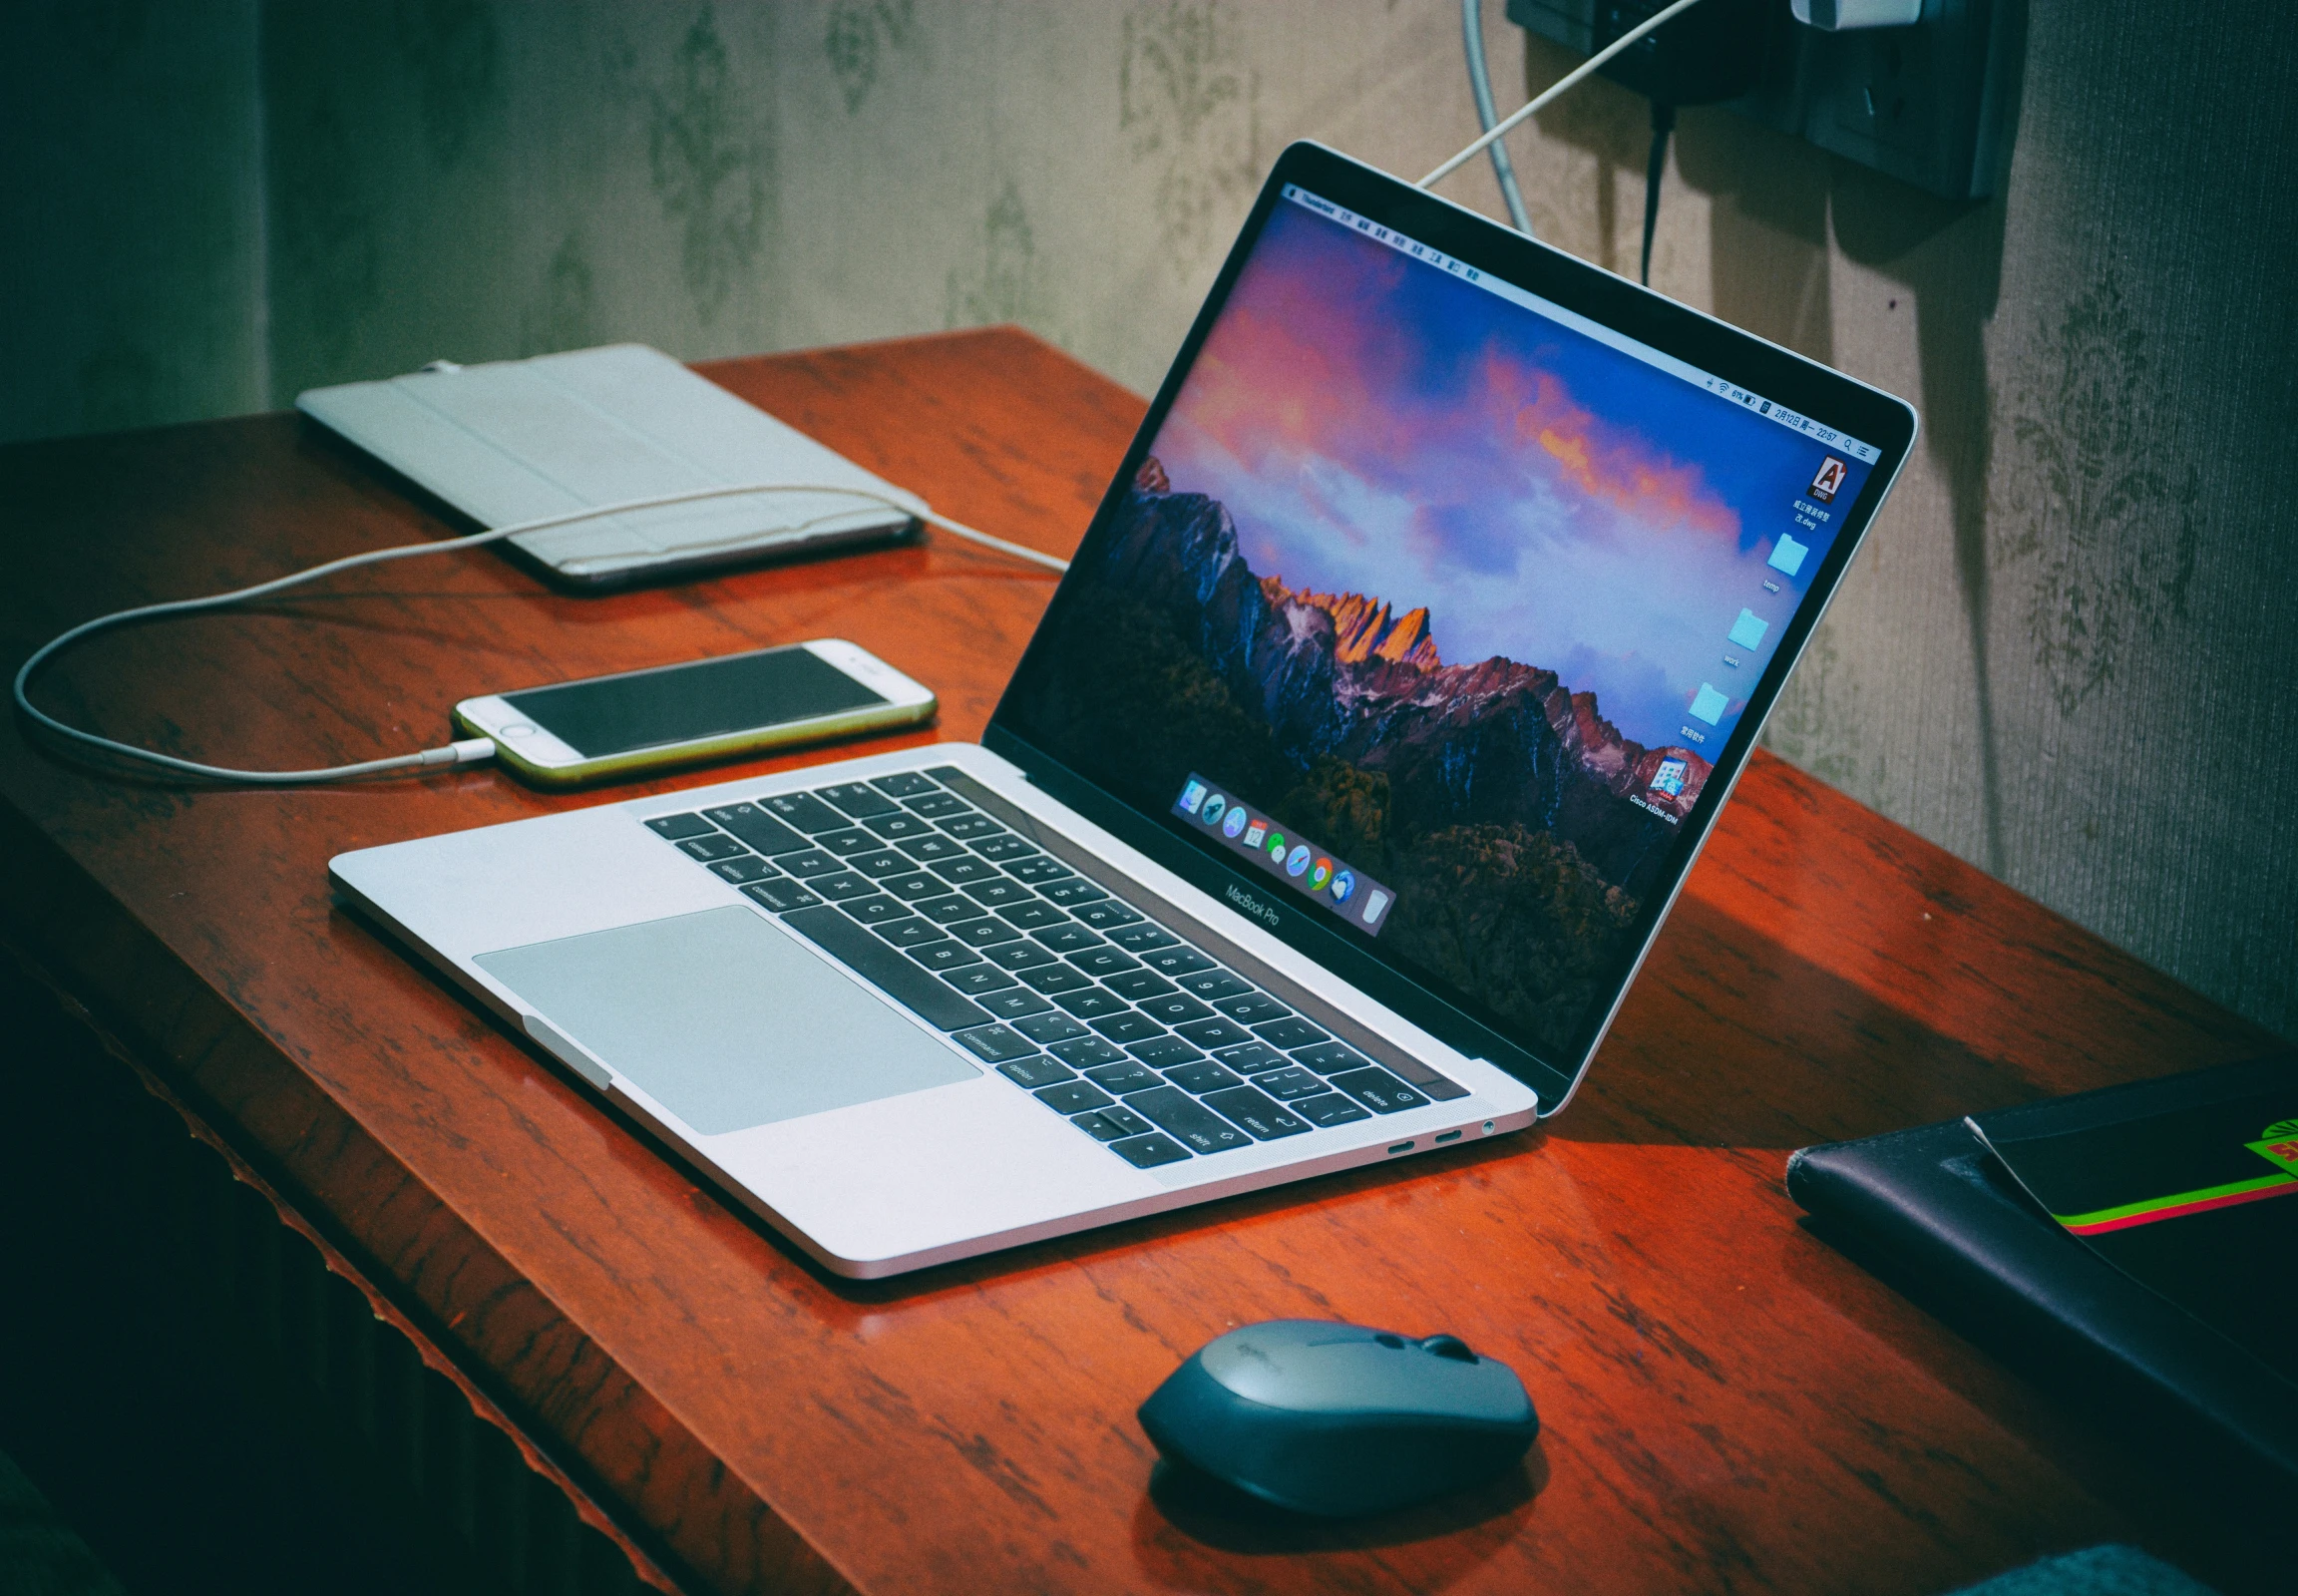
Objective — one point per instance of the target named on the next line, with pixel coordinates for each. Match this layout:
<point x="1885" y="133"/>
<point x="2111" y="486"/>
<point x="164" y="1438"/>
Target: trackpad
<point x="725" y="1019"/>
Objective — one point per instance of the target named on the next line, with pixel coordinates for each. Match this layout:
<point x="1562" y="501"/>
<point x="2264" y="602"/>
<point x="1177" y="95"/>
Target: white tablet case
<point x="521" y="439"/>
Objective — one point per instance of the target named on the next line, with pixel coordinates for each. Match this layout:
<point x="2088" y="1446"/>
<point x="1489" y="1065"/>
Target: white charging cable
<point x="1558" y="88"/>
<point x="470" y="750"/>
<point x="1480" y="90"/>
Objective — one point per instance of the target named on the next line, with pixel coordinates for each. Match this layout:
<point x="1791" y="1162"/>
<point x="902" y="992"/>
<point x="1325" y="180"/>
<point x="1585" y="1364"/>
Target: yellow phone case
<point x="607" y="767"/>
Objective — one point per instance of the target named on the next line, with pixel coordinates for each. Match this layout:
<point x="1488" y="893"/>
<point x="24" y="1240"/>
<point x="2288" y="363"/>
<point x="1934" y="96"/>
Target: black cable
<point x="1663" y="124"/>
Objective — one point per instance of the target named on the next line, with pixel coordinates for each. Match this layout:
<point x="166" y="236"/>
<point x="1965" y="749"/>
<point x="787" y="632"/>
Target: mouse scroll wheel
<point x="1451" y="1346"/>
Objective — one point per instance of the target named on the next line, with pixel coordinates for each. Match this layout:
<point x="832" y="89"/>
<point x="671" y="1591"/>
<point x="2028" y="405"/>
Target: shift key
<point x="1199" y="1128"/>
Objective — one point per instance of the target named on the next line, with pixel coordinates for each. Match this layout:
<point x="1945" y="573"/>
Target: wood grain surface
<point x="1728" y="1404"/>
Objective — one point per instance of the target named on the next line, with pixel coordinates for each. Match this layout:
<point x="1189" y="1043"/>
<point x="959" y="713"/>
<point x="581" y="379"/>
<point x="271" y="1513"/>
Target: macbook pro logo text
<point x="1252" y="905"/>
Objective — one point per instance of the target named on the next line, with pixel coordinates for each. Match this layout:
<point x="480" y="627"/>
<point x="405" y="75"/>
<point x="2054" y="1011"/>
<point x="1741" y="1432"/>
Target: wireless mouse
<point x="1340" y="1420"/>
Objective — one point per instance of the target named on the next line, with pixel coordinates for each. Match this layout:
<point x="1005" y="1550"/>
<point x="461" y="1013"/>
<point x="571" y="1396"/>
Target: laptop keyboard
<point x="1143" y="1040"/>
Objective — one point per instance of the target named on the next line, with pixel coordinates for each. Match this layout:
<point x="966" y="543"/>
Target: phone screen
<point x="683" y="703"/>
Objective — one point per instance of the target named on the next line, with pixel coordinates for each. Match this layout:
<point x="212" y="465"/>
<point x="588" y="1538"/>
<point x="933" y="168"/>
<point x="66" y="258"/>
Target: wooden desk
<point x="1730" y="1404"/>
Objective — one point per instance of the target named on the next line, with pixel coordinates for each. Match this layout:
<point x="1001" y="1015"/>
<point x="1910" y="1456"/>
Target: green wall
<point x="2064" y="655"/>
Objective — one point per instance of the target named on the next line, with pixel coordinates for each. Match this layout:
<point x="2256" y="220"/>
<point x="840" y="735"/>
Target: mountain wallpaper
<point x="1495" y="800"/>
<point x="1434" y="580"/>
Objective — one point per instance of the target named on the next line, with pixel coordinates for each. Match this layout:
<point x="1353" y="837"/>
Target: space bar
<point x="885" y="969"/>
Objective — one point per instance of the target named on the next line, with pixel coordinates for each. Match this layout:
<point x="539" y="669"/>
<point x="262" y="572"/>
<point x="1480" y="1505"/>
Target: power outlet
<point x="1927" y="103"/>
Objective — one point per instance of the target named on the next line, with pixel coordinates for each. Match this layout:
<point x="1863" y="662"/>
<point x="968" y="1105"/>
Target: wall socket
<point x="1927" y="104"/>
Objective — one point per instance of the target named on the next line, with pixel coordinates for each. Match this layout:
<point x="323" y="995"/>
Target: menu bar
<point x="1454" y="266"/>
<point x="1788" y="418"/>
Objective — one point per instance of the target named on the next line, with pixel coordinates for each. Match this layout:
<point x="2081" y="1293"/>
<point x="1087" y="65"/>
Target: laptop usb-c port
<point x="1402" y="1147"/>
<point x="1448" y="1135"/>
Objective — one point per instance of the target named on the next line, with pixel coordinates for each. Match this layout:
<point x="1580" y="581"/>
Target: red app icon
<point x="1829" y="482"/>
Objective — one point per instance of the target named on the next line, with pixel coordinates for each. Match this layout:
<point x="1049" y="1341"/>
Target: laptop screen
<point x="1430" y="609"/>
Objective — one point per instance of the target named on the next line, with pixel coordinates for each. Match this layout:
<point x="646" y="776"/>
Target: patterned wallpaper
<point x="2064" y="654"/>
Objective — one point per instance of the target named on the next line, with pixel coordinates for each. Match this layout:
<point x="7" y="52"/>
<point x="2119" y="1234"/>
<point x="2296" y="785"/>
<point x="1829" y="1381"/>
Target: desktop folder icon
<point x="1748" y="631"/>
<point x="1789" y="554"/>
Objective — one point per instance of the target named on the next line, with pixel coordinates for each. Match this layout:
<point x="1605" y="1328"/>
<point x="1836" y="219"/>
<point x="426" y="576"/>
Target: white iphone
<point x="646" y="721"/>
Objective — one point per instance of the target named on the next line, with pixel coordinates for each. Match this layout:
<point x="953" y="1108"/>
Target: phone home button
<point x="517" y="728"/>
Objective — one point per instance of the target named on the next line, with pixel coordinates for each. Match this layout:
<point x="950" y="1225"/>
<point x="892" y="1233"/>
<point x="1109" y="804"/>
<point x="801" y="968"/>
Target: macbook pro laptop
<point x="1327" y="819"/>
